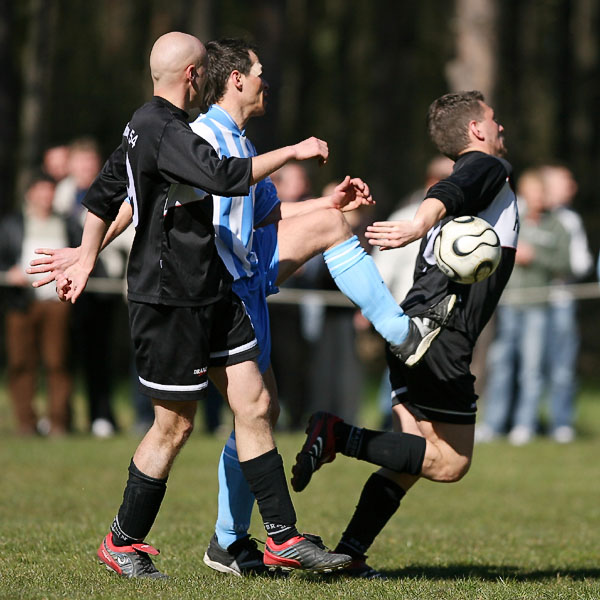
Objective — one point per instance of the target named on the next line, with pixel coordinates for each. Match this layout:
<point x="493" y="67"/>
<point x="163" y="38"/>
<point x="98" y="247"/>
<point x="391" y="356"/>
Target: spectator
<point x="56" y="162"/>
<point x="517" y="352"/>
<point x="36" y="321"/>
<point x="94" y="314"/>
<point x="562" y="348"/>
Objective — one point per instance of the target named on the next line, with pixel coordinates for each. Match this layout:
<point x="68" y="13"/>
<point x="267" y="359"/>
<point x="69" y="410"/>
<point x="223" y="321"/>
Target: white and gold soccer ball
<point x="467" y="249"/>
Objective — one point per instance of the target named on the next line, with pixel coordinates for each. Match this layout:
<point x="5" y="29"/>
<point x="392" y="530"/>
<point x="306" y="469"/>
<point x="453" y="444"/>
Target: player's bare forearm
<point x="72" y="283"/>
<point x="396" y="234"/>
<point x="119" y="225"/>
<point x="430" y="213"/>
<point x="348" y="195"/>
<point x="268" y="163"/>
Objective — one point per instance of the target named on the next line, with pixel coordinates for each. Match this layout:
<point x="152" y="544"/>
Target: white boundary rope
<point x="555" y="293"/>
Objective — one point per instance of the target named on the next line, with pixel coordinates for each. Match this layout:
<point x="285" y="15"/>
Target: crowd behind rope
<point x="517" y="364"/>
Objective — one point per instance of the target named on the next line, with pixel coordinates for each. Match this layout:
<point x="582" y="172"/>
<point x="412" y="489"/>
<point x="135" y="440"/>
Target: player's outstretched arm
<point x="348" y="195"/>
<point x="265" y="164"/>
<point x="55" y="261"/>
<point x="396" y="234"/>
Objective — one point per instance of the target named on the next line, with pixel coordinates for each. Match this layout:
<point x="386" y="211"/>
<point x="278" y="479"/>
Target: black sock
<point x="400" y="452"/>
<point x="141" y="501"/>
<point x="266" y="478"/>
<point x="379" y="500"/>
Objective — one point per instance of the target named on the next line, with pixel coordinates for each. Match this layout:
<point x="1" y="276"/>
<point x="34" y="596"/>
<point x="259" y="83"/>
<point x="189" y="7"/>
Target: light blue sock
<point x="355" y="273"/>
<point x="235" y="498"/>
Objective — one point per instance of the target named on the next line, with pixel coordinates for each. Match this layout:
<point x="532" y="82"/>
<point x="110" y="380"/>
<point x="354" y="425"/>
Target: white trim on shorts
<point x="174" y="388"/>
<point x="237" y="350"/>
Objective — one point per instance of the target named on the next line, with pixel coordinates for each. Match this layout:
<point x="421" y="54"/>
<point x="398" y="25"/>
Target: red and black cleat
<point x="305" y="552"/>
<point x="129" y="561"/>
<point x="318" y="449"/>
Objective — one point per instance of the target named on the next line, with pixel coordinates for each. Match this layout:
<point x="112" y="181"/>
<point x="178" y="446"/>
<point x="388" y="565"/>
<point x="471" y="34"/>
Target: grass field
<point x="523" y="524"/>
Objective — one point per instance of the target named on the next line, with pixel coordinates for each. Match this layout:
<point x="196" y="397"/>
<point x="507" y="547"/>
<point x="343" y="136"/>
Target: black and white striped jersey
<point x="173" y="257"/>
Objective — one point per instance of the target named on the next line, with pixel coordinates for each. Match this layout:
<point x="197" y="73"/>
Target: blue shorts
<point x="254" y="291"/>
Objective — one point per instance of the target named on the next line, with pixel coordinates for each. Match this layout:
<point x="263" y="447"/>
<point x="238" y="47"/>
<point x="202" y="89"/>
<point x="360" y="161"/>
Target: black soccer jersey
<point x="481" y="185"/>
<point x="173" y="257"/>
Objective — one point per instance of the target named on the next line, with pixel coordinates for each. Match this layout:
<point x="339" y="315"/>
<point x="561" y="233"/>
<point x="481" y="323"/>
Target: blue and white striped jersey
<point x="234" y="218"/>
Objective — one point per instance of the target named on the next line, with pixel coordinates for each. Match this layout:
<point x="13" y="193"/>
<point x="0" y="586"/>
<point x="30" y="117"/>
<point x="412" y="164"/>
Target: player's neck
<point x="235" y="111"/>
<point x="476" y="147"/>
<point x="177" y="97"/>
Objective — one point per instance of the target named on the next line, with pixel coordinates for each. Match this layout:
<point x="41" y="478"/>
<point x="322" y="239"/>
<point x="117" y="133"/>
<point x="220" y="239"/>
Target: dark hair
<point x="448" y="120"/>
<point x="39" y="177"/>
<point x="224" y="56"/>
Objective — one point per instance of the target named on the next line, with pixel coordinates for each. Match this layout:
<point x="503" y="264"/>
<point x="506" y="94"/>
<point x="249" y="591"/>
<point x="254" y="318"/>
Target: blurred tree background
<point x="357" y="73"/>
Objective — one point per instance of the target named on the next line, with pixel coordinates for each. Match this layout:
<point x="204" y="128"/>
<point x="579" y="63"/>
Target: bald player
<point x="183" y="316"/>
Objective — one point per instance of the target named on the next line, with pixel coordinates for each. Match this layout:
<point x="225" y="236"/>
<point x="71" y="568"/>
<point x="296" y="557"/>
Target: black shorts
<point x="174" y="346"/>
<point x="439" y="388"/>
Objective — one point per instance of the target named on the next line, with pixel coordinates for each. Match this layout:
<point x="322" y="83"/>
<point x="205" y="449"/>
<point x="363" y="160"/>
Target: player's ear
<point x="236" y="79"/>
<point x="475" y="130"/>
<point x="191" y="73"/>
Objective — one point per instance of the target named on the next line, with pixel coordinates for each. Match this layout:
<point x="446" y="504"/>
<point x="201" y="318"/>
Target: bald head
<point x="172" y="54"/>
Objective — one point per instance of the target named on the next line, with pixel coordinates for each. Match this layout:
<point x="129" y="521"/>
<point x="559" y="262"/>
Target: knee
<point x="176" y="433"/>
<point x="262" y="407"/>
<point x="183" y="433"/>
<point x="255" y="407"/>
<point x="454" y="470"/>
<point x="447" y="469"/>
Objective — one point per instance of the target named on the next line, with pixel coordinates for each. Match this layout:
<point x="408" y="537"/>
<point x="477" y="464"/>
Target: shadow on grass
<point x="489" y="573"/>
<point x="506" y="573"/>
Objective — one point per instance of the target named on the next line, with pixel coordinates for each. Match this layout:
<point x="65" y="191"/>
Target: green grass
<point x="523" y="524"/>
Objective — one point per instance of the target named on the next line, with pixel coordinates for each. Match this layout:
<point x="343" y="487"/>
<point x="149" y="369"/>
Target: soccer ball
<point x="467" y="249"/>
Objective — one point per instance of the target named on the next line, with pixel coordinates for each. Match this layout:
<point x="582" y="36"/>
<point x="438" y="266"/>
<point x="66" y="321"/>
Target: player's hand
<point x="71" y="283"/>
<point x="392" y="234"/>
<point x="54" y="262"/>
<point x="312" y="148"/>
<point x="351" y="193"/>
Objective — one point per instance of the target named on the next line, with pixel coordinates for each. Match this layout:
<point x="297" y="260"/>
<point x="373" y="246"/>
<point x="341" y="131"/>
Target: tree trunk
<point x="474" y="67"/>
<point x="37" y="61"/>
<point x="8" y="103"/>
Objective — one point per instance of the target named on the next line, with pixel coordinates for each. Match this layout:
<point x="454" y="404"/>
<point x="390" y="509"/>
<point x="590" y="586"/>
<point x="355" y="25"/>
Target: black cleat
<point x="359" y="569"/>
<point x="241" y="558"/>
<point x="423" y="329"/>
